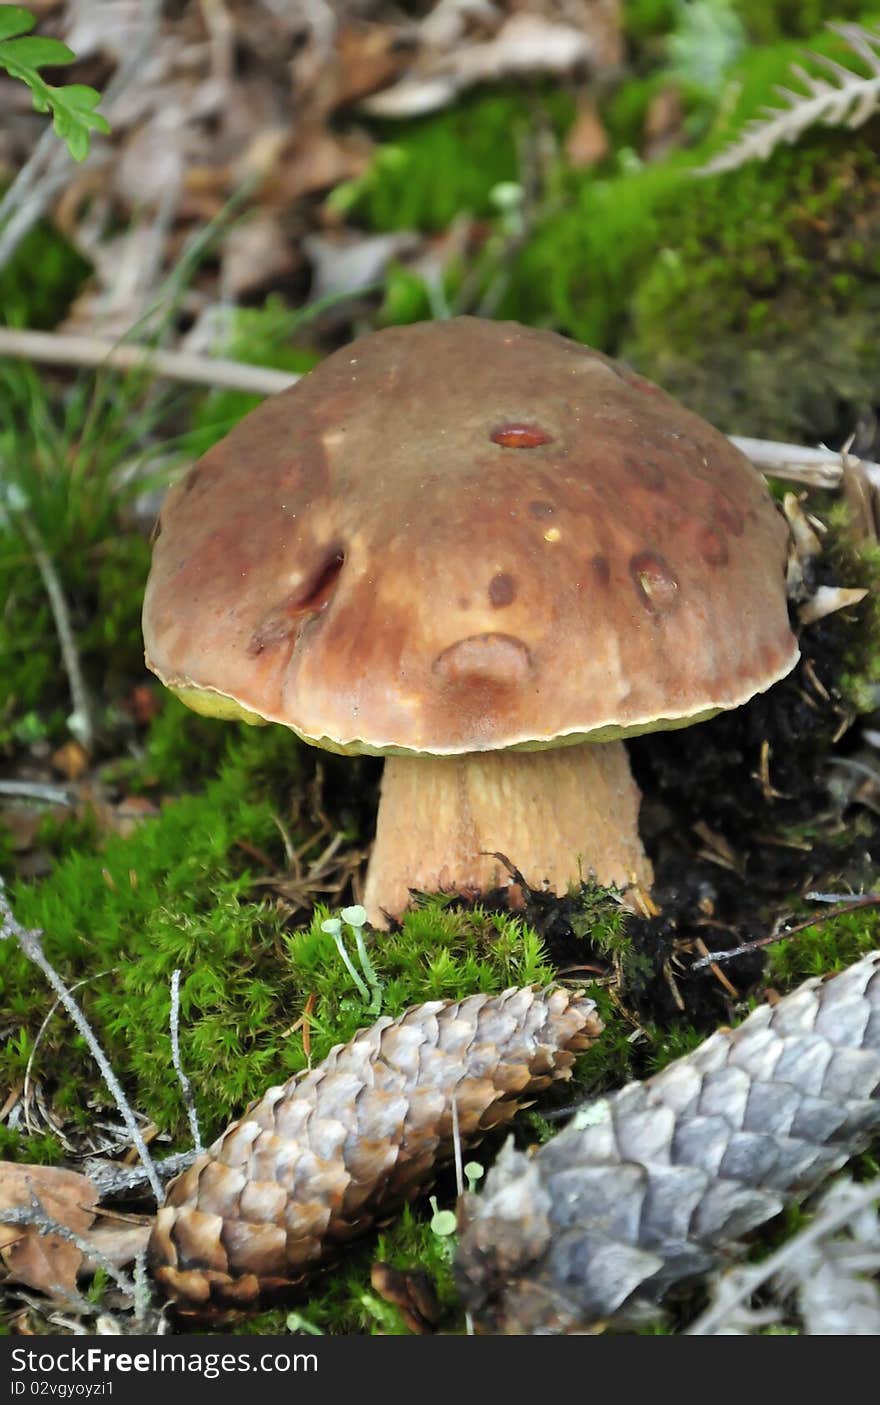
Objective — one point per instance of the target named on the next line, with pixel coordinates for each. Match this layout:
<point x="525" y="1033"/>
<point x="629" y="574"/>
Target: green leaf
<point x="35" y="52"/>
<point x="73" y="107"/>
<point x="14" y="20"/>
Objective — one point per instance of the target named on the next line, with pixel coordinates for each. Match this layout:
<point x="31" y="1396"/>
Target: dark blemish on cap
<point x="520" y="436"/>
<point x="601" y="569"/>
<point x="285" y="621"/>
<point x="655" y="582"/>
<point x="712" y="547"/>
<point x="539" y="508"/>
<point x="502" y="590"/>
<point x="645" y="471"/>
<point x="729" y="517"/>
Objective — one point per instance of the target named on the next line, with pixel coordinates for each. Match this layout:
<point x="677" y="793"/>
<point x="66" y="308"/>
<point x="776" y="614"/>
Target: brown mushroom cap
<point x="465" y="535"/>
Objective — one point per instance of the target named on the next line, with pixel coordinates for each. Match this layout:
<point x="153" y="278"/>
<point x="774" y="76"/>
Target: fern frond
<point x="844" y="99"/>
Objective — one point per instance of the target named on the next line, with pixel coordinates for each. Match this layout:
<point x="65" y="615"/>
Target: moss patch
<point x="429" y="170"/>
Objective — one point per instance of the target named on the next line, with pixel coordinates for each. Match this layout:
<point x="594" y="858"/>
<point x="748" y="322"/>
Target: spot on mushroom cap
<point x="369" y="560"/>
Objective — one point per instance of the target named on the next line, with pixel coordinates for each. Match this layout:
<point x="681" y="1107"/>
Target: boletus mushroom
<point x="488" y="554"/>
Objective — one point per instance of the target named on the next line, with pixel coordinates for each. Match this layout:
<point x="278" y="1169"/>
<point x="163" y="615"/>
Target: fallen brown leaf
<point x="118" y="1241"/>
<point x="70" y="760"/>
<point x="40" y="1260"/>
<point x="412" y="1292"/>
<point x="587" y="141"/>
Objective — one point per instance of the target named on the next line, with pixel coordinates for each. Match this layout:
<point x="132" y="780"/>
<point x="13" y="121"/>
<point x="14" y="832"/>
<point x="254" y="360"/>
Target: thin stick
<point x="112" y="1179"/>
<point x="816" y="468"/>
<point x="29" y="941"/>
<point x="867" y="900"/>
<point x="62" y="350"/>
<point x="185" y="1085"/>
<point x="36" y="790"/>
<point x="459" y="1186"/>
<point x="80" y="720"/>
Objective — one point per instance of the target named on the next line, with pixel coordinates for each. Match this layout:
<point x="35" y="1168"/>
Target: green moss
<point x="754" y="296"/>
<point x="29" y="301"/>
<point x="439" y="954"/>
<point x="857" y="564"/>
<point x="344" y="1302"/>
<point x="762" y="257"/>
<point x="182" y="748"/>
<point x="341" y="1302"/>
<point x="578" y="270"/>
<point x="32" y="1150"/>
<point x="647" y="19"/>
<point x="103" y="587"/>
<point x="828" y="946"/>
<point x="779" y="261"/>
<point x="429" y="170"/>
<point x="769" y="20"/>
<point x="175" y="894"/>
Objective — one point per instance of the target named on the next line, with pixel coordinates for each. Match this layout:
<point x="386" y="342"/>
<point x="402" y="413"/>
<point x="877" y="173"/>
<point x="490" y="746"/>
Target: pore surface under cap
<point x="468" y="534"/>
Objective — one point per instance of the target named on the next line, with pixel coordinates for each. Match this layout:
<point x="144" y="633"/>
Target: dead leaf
<point x="587" y="141"/>
<point x="70" y="760"/>
<point x="143" y="704"/>
<point x="369" y="57"/>
<point x="664" y="121"/>
<point x="345" y="262"/>
<point x="118" y="1241"/>
<point x="412" y="1292"/>
<point x="44" y="1261"/>
<point x="525" y="44"/>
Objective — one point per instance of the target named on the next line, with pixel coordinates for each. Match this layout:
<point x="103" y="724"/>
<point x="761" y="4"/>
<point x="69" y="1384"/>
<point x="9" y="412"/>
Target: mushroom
<point x="489" y="554"/>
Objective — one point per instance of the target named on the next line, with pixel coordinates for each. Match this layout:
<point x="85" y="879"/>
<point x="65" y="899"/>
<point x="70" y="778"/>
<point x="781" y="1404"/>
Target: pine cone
<point x="314" y="1162"/>
<point x="645" y="1188"/>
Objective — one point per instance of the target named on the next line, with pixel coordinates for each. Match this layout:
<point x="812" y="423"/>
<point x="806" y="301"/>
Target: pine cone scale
<point x="319" y="1159"/>
<point x="651" y="1184"/>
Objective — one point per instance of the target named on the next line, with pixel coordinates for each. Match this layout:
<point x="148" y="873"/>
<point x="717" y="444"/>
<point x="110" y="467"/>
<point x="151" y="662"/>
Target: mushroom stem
<point x="557" y="815"/>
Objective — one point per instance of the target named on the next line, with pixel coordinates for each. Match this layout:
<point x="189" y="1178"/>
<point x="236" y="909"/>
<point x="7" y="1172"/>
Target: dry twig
<point x="185" y="1085"/>
<point x="28" y="939"/>
<point x="793" y="463"/>
<point x="782" y="933"/>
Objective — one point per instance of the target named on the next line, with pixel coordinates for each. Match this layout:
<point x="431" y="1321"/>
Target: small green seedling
<point x="443" y="1222"/>
<point x="473" y="1172"/>
<point x="355" y="918"/>
<point x="508" y="197"/>
<point x="297" y="1323"/>
<point x="72" y="107"/>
